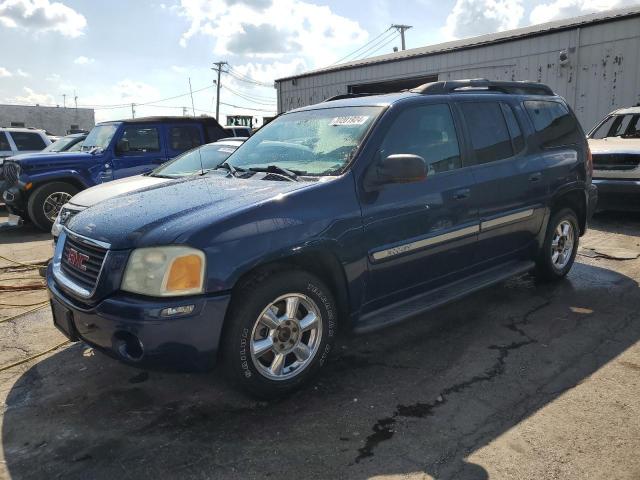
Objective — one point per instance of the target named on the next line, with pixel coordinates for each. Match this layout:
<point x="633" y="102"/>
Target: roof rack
<point x="349" y="95"/>
<point x="475" y="84"/>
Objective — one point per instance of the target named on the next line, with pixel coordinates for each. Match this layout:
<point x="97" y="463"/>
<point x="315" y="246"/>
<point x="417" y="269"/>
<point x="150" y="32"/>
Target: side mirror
<point x="398" y="168"/>
<point x="122" y="145"/>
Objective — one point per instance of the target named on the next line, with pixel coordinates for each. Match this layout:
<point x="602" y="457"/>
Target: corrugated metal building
<point x="593" y="61"/>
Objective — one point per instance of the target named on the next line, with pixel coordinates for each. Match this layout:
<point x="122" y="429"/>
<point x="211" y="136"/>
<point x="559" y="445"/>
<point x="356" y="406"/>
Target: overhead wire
<point x="363" y="46"/>
<point x="384" y="42"/>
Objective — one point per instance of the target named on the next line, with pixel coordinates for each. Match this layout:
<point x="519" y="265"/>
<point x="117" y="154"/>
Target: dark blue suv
<point x="355" y="213"/>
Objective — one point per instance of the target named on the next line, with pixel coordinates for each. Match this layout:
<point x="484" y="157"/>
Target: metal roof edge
<point x="478" y="41"/>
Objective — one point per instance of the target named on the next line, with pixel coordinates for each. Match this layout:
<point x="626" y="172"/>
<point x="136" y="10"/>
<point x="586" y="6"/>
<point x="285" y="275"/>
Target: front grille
<point x="615" y="161"/>
<point x="91" y="258"/>
<point x="11" y="172"/>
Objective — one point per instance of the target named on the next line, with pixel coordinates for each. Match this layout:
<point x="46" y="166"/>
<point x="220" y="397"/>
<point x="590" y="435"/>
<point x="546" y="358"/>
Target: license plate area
<point x="63" y="320"/>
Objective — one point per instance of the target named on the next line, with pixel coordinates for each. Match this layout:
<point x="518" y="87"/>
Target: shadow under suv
<point x="355" y="213"/>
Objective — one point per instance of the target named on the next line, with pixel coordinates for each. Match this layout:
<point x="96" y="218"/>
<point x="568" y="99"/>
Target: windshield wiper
<point x="291" y="174"/>
<point x="227" y="166"/>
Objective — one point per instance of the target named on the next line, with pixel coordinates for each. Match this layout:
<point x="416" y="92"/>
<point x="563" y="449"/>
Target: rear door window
<point x="141" y="139"/>
<point x="26" y="141"/>
<point x="184" y="137"/>
<point x="427" y="131"/>
<point x="555" y="125"/>
<point x="488" y="131"/>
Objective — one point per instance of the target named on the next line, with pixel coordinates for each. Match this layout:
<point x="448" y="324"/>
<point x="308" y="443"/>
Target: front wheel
<point x="46" y="201"/>
<point x="560" y="247"/>
<point x="280" y="330"/>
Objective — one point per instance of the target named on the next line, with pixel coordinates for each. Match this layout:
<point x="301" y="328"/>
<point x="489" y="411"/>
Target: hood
<point x="158" y="215"/>
<point x="614" y="145"/>
<point x="41" y="160"/>
<point x="99" y="193"/>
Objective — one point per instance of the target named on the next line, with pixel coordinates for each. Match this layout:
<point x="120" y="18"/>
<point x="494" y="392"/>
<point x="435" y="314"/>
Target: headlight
<point x="165" y="271"/>
<point x="56" y="229"/>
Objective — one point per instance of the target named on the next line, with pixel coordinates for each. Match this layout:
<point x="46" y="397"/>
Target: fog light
<point x="182" y="310"/>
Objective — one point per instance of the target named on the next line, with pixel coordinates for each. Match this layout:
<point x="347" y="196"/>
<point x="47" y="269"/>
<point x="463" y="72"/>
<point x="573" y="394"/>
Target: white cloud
<point x="272" y="28"/>
<point x="42" y="16"/>
<point x="53" y="77"/>
<point x="560" y="9"/>
<point x="5" y="73"/>
<point x="476" y="17"/>
<point x="82" y="60"/>
<point x="32" y="98"/>
<point x="22" y="73"/>
<point x="178" y="69"/>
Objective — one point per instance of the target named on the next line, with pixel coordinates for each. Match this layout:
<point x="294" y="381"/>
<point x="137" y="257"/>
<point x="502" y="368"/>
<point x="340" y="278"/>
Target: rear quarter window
<point x="554" y="124"/>
<point x="4" y="143"/>
<point x="28" y="141"/>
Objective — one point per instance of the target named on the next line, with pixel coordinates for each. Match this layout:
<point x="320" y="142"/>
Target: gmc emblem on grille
<point x="77" y="259"/>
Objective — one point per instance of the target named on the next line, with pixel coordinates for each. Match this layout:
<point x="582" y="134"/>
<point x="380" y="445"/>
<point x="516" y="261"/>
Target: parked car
<point x="68" y="143"/>
<point x="355" y="213"/>
<point x="39" y="185"/>
<point x="15" y="140"/>
<point x="238" y="131"/>
<point x="615" y="145"/>
<point x="198" y="161"/>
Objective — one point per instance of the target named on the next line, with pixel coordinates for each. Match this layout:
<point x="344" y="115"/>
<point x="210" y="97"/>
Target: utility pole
<point x="133" y="110"/>
<point x="218" y="68"/>
<point x="75" y="99"/>
<point x="402" y="29"/>
<point x="64" y="100"/>
<point x="184" y="112"/>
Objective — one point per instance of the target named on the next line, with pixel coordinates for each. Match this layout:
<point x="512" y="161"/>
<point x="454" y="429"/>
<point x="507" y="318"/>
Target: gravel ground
<point x="521" y="381"/>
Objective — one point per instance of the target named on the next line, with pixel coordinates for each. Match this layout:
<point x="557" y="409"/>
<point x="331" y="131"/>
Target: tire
<point x="263" y="351"/>
<point x="552" y="265"/>
<point x="57" y="192"/>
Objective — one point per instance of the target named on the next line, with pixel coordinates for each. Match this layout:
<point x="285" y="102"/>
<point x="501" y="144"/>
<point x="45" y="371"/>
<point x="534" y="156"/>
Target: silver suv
<point x="615" y="146"/>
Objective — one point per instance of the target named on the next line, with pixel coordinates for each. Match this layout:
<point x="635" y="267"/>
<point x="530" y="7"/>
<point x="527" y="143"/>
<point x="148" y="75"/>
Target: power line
<point x="363" y="46"/>
<point x="245" y="78"/>
<point x="393" y="39"/>
<point x="383" y="42"/>
<point x="248" y="97"/>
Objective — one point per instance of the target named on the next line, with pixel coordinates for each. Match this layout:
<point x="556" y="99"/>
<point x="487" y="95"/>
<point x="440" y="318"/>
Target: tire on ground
<point x="35" y="204"/>
<point x="546" y="270"/>
<point x="247" y="304"/>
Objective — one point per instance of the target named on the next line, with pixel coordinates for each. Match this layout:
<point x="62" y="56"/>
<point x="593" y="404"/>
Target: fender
<point x="56" y="175"/>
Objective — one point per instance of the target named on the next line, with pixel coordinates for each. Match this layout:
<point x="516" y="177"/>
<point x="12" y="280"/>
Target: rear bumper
<point x="617" y="194"/>
<point x="131" y="329"/>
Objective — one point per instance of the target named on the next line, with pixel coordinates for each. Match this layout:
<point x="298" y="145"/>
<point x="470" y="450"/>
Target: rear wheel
<point x="560" y="246"/>
<point x="279" y="333"/>
<point x="46" y="201"/>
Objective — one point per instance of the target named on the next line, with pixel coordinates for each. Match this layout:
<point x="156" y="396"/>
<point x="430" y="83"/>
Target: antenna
<point x="193" y="108"/>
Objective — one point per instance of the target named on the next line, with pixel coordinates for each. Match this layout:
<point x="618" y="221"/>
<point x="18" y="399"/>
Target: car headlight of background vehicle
<point x="165" y="271"/>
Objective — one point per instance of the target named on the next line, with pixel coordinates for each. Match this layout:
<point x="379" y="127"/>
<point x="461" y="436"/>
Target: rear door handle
<point x="462" y="194"/>
<point x="535" y="177"/>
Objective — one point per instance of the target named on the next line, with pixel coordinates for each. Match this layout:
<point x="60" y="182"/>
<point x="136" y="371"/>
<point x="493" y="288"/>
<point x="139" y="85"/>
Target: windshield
<point x="204" y="158"/>
<point x="312" y="142"/>
<point x="625" y="126"/>
<point x="100" y="137"/>
<point x="60" y="145"/>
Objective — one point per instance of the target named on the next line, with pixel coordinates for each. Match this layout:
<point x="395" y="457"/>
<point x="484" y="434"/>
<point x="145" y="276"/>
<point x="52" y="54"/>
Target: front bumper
<point x="131" y="329"/>
<point x="616" y="194"/>
<point x="15" y="200"/>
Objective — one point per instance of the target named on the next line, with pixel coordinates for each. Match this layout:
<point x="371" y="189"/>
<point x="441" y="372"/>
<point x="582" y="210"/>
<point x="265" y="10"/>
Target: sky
<point x="110" y="54"/>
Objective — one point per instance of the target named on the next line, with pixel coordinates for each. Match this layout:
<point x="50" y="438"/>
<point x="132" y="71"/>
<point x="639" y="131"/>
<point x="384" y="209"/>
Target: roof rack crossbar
<point x="515" y="88"/>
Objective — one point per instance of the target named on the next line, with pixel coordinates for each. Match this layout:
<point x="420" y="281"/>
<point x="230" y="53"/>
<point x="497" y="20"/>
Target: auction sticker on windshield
<point x="351" y="120"/>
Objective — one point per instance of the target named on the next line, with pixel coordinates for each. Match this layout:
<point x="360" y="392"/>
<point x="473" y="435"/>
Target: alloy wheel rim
<point x="286" y="336"/>
<point x="562" y="245"/>
<point x="53" y="203"/>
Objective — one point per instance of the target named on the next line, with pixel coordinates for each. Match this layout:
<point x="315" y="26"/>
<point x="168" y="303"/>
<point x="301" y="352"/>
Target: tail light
<point x="589" y="163"/>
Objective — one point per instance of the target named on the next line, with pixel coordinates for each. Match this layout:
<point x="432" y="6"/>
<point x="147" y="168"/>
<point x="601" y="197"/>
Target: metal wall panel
<point x="603" y="71"/>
